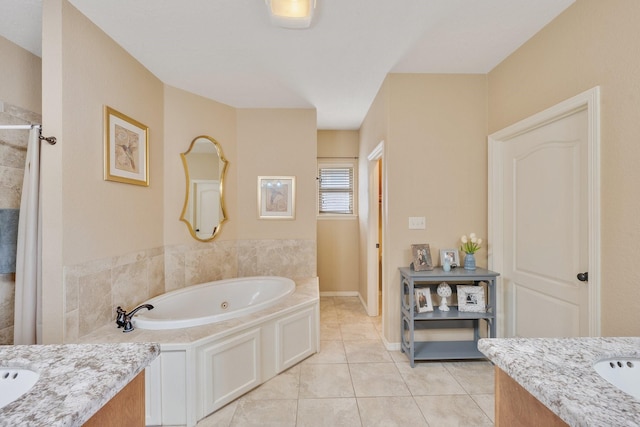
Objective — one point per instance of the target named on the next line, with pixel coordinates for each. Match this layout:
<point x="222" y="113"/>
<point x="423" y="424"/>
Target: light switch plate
<point x="416" y="223"/>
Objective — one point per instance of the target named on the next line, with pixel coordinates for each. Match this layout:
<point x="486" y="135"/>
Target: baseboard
<point x="363" y="302"/>
<point x="391" y="346"/>
<point x="346" y="294"/>
<point x="341" y="294"/>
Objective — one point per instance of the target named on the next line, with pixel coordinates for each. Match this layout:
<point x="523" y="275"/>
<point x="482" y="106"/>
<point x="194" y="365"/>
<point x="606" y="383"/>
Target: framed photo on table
<point x="471" y="299"/>
<point x="421" y="257"/>
<point x="450" y="255"/>
<point x="423" y="300"/>
<point x="276" y="197"/>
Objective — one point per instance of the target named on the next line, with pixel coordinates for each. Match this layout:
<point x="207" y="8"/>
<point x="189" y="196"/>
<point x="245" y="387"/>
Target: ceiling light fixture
<point x="291" y="13"/>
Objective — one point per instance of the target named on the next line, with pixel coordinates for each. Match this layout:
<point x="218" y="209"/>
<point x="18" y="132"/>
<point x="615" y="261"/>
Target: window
<point x="336" y="188"/>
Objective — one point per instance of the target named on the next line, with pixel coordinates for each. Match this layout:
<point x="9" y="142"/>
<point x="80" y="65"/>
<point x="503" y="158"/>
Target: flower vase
<point x="469" y="262"/>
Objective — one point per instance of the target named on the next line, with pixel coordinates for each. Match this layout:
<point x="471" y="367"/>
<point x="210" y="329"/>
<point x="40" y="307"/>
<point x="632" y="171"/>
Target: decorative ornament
<point x="444" y="291"/>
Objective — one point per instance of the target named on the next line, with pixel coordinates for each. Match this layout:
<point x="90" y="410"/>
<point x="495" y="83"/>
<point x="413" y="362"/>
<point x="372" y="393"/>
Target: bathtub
<point x="213" y="302"/>
<point x="201" y="368"/>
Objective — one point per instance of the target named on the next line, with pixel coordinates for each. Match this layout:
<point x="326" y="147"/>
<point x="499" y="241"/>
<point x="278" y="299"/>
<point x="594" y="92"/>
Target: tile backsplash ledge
<point x="93" y="289"/>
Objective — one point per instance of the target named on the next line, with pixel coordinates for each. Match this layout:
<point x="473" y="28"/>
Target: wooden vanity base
<point x="516" y="407"/>
<point x="124" y="409"/>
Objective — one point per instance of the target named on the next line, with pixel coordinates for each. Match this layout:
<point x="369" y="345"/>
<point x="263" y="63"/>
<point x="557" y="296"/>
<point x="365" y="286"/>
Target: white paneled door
<point x="207" y="207"/>
<point x="545" y="234"/>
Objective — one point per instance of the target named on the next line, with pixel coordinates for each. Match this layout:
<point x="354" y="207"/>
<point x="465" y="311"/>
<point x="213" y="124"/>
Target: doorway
<point x="378" y="173"/>
<point x="375" y="253"/>
<point x="544" y="221"/>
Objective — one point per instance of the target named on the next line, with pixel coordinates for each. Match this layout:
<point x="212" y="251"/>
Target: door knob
<point x="583" y="277"/>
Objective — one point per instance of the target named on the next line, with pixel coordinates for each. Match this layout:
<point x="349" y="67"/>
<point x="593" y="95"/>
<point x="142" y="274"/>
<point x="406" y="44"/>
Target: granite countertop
<point x="76" y="380"/>
<point x="559" y="373"/>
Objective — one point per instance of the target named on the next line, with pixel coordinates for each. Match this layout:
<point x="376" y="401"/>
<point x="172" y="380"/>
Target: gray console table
<point x="436" y="319"/>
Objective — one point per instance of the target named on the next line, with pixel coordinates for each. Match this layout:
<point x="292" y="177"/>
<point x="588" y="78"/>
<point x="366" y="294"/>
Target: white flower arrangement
<point x="471" y="244"/>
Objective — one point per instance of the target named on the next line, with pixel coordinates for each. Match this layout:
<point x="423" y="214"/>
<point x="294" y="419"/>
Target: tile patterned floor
<point x="355" y="381"/>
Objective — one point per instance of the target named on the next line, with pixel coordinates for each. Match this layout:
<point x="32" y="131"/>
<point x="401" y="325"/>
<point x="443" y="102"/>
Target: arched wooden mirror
<point x="204" y="168"/>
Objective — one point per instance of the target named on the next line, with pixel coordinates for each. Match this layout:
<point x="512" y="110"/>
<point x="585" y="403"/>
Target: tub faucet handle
<point x="123" y="319"/>
<point x="120" y="317"/>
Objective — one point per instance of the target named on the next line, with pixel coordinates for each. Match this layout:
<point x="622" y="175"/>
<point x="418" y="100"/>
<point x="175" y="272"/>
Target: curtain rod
<point x="17" y="127"/>
<point x="50" y="139"/>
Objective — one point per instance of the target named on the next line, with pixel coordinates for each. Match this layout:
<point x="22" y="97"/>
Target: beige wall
<point x="434" y="128"/>
<point x="256" y="142"/>
<point x="186" y="117"/>
<point x="86" y="218"/>
<point x="276" y="142"/>
<point x="103" y="218"/>
<point x="338" y="143"/>
<point x="373" y="131"/>
<point x="338" y="247"/>
<point x="592" y="43"/>
<point x="435" y="166"/>
<point x="20" y="77"/>
<point x="106" y="242"/>
<point x="338" y="256"/>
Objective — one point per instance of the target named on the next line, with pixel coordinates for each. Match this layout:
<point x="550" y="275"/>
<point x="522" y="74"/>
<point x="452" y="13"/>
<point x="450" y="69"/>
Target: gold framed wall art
<point x="126" y="149"/>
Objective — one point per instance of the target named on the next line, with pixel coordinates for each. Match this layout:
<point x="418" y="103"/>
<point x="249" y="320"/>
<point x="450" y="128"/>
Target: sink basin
<point x="622" y="372"/>
<point x="15" y="382"/>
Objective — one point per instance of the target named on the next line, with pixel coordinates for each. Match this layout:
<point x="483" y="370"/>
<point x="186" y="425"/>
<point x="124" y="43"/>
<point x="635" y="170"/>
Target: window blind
<point x="335" y="195"/>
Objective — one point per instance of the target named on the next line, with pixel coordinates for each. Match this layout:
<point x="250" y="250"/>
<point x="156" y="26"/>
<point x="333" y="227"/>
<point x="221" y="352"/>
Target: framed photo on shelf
<point x="423" y="300"/>
<point x="471" y="299"/>
<point x="450" y="255"/>
<point x="421" y="257"/>
<point x="126" y="149"/>
<point x="276" y="197"/>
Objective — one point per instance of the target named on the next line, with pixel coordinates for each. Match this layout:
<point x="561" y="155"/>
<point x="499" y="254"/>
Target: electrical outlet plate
<point x="416" y="223"/>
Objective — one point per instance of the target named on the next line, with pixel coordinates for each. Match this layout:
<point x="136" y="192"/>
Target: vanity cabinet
<point x="515" y="406"/>
<point x="412" y="321"/>
<point x="127" y="407"/>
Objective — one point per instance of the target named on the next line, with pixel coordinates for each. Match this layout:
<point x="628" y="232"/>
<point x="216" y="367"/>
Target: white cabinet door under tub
<point x="296" y="338"/>
<point x="227" y="369"/>
<point x="190" y="381"/>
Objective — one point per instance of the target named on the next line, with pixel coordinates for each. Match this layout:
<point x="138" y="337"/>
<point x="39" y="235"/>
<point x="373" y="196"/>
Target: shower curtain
<point x="28" y="302"/>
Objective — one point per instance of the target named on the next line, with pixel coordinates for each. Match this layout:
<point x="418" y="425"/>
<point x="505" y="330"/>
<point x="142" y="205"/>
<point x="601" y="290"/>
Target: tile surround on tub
<point x="289" y="258"/>
<point x="216" y="262"/>
<point x="95" y="288"/>
<point x="7" y="296"/>
<point x="95" y="302"/>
